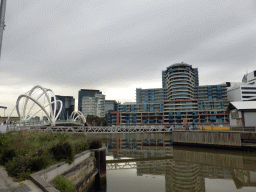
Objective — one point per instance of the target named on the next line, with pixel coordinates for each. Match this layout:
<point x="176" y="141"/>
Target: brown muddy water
<point x="148" y="162"/>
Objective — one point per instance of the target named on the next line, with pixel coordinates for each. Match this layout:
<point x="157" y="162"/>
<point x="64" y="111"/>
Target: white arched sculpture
<point x="48" y="93"/>
<point x="78" y="115"/>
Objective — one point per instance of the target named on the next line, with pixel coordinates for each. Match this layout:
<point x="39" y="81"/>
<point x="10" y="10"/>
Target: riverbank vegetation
<point x="25" y="152"/>
<point x="63" y="184"/>
<point x="94" y="120"/>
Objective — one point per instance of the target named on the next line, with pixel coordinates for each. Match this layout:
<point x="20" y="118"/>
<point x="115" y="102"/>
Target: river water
<point x="148" y="162"/>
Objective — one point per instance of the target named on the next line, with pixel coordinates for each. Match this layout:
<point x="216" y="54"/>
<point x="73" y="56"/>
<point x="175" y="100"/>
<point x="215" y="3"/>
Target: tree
<point x="97" y="121"/>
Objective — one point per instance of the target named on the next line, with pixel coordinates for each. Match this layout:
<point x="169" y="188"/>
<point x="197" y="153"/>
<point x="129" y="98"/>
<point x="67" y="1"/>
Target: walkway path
<point x="8" y="185"/>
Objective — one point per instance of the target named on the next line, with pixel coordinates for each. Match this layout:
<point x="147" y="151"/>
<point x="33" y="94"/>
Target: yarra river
<point x="148" y="162"/>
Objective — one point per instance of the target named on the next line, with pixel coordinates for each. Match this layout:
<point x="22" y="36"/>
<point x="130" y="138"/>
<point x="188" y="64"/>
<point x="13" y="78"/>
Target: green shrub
<point x="81" y="146"/>
<point x="6" y="155"/>
<point x="63" y="184"/>
<point x="62" y="137"/>
<point x="38" y="163"/>
<point x="22" y="167"/>
<point x="63" y="151"/>
<point x="18" y="167"/>
<point x="25" y="152"/>
<point x="95" y="144"/>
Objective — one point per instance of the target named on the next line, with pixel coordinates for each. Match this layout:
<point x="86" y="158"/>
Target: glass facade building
<point x="68" y="106"/>
<point x="86" y="93"/>
<point x="94" y="105"/>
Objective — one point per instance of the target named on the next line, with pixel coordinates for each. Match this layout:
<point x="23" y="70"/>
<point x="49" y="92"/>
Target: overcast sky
<point x="118" y="45"/>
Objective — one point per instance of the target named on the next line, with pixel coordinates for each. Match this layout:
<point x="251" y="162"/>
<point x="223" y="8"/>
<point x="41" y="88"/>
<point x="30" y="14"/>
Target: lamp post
<point x="4" y="109"/>
<point x="2" y="23"/>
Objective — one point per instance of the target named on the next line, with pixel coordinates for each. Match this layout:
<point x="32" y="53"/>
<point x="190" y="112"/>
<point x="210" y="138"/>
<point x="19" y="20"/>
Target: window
<point x="249" y="88"/>
<point x="247" y="92"/>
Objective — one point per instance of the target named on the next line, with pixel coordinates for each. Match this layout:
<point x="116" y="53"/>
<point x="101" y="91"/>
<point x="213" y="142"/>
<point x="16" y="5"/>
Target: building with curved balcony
<point x="180" y="81"/>
<point x="180" y="100"/>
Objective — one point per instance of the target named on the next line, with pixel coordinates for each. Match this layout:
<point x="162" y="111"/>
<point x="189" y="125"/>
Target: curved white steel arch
<point x="28" y="97"/>
<point x="47" y="96"/>
<point x="39" y="98"/>
<point x="48" y="93"/>
<point x="78" y="114"/>
<point x="47" y="106"/>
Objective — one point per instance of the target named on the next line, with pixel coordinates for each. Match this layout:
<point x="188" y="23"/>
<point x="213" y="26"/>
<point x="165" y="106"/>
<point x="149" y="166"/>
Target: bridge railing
<point x="13" y="124"/>
<point x="108" y="129"/>
<point x="28" y="123"/>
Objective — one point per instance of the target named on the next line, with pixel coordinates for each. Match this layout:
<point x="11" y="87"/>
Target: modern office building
<point x="245" y="91"/>
<point x="86" y="93"/>
<point x="93" y="105"/>
<point x="250" y="78"/>
<point x="110" y="105"/>
<point x="68" y="103"/>
<point x="180" y="100"/>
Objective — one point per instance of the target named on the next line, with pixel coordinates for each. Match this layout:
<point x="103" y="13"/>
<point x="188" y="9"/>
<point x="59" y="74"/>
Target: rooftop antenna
<point x="2" y="23"/>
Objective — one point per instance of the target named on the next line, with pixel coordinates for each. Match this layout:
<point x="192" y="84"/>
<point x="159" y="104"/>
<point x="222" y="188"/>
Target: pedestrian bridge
<point x="77" y="127"/>
<point x="93" y="129"/>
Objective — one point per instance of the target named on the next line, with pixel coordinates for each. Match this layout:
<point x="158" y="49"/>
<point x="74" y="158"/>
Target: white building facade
<point x="245" y="91"/>
<point x="94" y="105"/>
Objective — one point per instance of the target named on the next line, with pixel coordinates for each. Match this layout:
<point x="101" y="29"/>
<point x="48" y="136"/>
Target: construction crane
<point x="2" y="23"/>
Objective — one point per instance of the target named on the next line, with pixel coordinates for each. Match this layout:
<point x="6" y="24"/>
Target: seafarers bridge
<point x="70" y="126"/>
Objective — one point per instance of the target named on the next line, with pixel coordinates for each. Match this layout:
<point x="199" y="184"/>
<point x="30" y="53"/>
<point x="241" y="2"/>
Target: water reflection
<point x="139" y="145"/>
<point x="176" y="168"/>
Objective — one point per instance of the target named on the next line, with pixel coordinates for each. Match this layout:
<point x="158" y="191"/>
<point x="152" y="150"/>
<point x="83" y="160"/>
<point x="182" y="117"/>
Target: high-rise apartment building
<point x="180" y="100"/>
<point x="68" y="106"/>
<point x="180" y="81"/>
<point x="212" y="103"/>
<point x="86" y="93"/>
<point x="93" y="105"/>
<point x="157" y="95"/>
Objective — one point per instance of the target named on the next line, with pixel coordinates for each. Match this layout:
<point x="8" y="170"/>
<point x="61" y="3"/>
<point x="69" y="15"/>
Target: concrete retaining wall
<point x="82" y="175"/>
<point x="82" y="171"/>
<point x="60" y="168"/>
<point x="207" y="138"/>
<point x="43" y="177"/>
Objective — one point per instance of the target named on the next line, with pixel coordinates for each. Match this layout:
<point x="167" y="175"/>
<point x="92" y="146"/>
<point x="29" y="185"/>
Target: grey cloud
<point x="90" y="44"/>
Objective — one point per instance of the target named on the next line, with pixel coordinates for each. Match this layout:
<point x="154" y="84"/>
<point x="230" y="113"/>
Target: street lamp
<point x="2" y="23"/>
<point x="4" y="109"/>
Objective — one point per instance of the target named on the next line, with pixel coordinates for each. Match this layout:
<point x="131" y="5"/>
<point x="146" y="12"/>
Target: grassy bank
<point x="25" y="152"/>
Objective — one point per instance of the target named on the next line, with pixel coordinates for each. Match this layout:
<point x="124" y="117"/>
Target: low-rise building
<point x="242" y="115"/>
